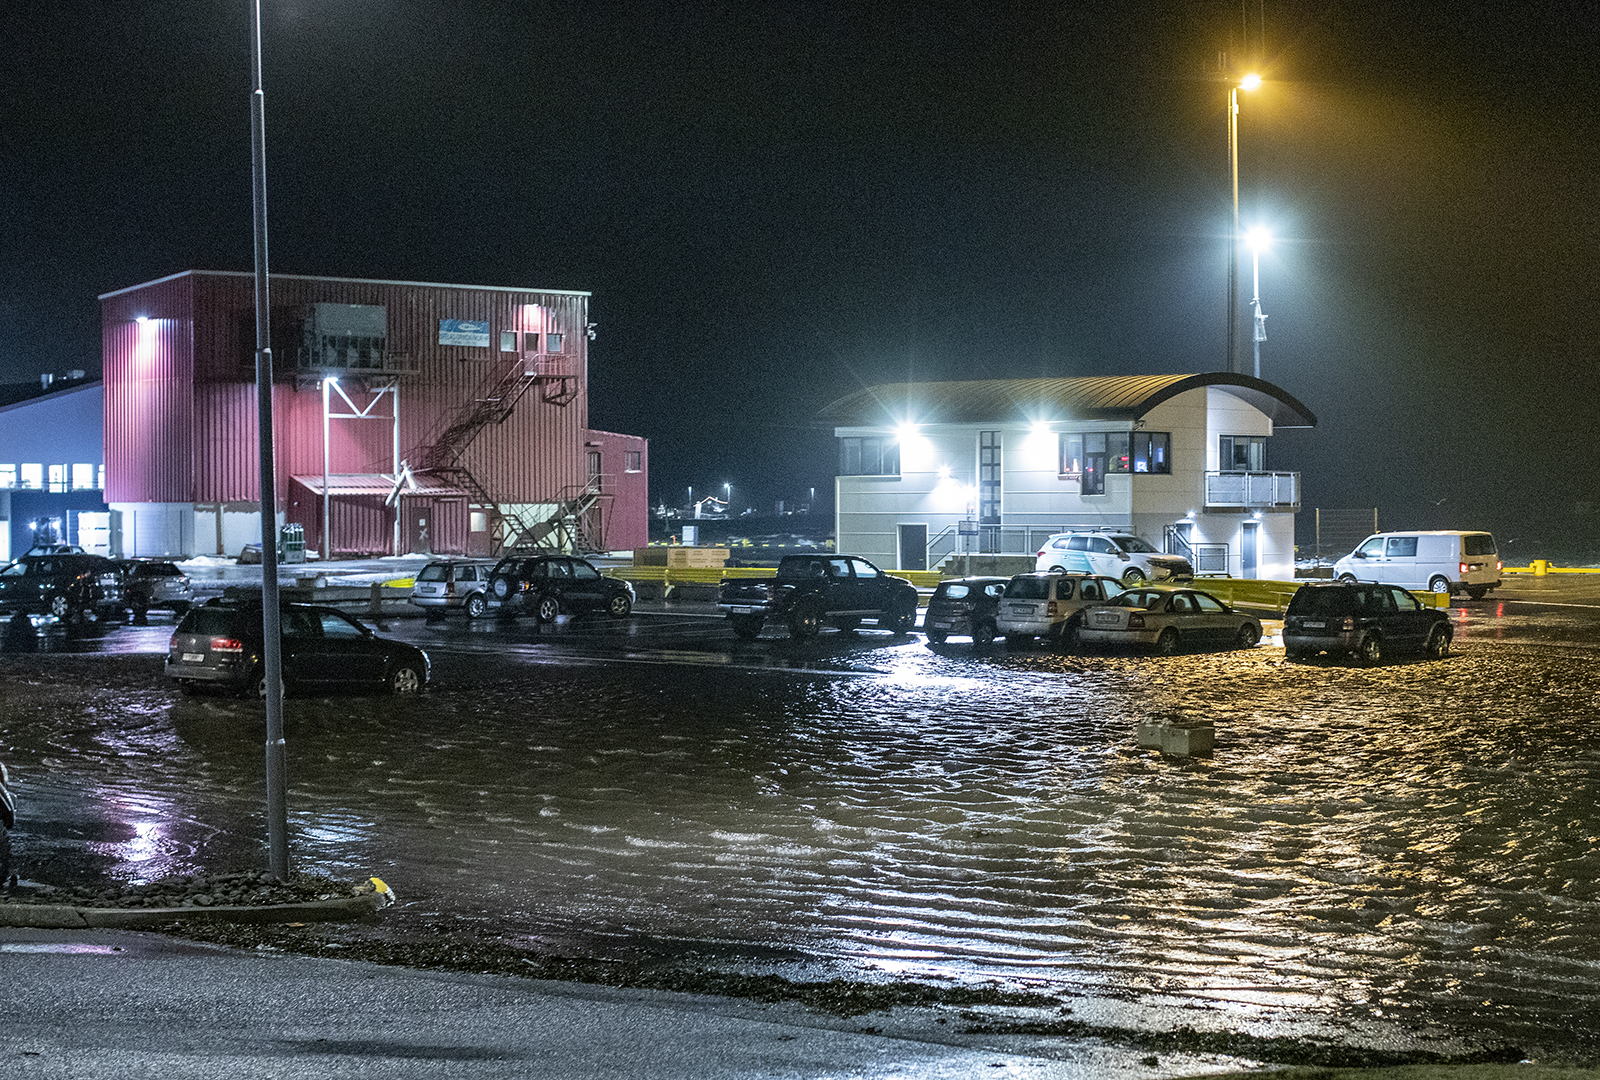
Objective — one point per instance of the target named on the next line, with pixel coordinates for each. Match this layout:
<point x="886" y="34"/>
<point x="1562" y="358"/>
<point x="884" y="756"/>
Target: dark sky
<point x="776" y="203"/>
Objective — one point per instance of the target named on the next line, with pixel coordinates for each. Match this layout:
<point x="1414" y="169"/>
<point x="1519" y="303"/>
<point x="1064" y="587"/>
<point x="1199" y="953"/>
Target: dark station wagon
<point x="1368" y="621"/>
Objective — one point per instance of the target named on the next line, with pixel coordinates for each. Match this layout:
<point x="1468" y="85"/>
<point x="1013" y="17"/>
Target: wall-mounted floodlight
<point x="1250" y="82"/>
<point x="905" y="431"/>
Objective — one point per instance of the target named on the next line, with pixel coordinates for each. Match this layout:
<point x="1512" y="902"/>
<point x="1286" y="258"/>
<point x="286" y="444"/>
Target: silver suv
<point x="1114" y="554"/>
<point x="453" y="585"/>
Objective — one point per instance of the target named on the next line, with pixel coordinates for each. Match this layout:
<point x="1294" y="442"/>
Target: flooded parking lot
<point x="1420" y="839"/>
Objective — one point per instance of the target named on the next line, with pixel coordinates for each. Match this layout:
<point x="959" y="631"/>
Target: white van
<point x="1439" y="561"/>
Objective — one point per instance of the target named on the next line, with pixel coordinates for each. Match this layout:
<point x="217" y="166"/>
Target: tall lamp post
<point x="1260" y="240"/>
<point x="272" y="645"/>
<point x="1235" y="357"/>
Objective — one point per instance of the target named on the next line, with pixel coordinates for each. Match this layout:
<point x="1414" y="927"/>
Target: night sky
<point x="776" y="204"/>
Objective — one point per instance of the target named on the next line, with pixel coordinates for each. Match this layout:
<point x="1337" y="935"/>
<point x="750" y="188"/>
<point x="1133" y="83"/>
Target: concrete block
<point x="1188" y="738"/>
<point x="1150" y="734"/>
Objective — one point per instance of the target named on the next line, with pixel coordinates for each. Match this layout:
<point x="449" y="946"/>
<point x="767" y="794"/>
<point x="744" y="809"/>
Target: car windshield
<point x="1133" y="545"/>
<point x="434" y="572"/>
<point x="1028" y="588"/>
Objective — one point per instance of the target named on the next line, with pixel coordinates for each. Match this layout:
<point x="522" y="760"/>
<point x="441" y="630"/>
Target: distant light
<point x="1250" y="82"/>
<point x="1259" y="239"/>
<point x="142" y="319"/>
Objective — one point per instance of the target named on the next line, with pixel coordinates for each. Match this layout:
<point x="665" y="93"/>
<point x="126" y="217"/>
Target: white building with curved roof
<point x="928" y="469"/>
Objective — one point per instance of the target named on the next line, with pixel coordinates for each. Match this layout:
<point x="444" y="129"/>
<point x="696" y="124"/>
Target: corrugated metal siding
<point x="625" y="516"/>
<point x="206" y="449"/>
<point x="149" y="404"/>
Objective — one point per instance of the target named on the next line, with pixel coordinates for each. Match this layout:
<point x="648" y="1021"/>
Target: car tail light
<point x="1136" y="621"/>
<point x="1348" y="624"/>
<point x="1040" y="555"/>
<point x="227" y="644"/>
<point x="1051" y="609"/>
<point x="1498" y="566"/>
<point x="1463" y="569"/>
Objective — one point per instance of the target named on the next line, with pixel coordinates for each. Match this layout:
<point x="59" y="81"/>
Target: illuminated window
<point x="8" y="476"/>
<point x="508" y="341"/>
<point x="552" y="343"/>
<point x="101" y="475"/>
<point x="58" y="478"/>
<point x="82" y="477"/>
<point x="1152" y="452"/>
<point x="33" y="476"/>
<point x="635" y="460"/>
<point x="869" y="455"/>
<point x="479" y="521"/>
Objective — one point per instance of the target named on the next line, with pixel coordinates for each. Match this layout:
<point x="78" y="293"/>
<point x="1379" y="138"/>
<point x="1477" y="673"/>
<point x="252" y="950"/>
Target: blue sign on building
<point x="464" y="332"/>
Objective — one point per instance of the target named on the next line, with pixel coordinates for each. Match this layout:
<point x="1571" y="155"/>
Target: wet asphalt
<point x="1407" y="851"/>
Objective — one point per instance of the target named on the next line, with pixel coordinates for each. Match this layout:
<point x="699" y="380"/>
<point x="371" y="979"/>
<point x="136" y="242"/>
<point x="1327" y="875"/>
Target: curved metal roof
<point x="1106" y="397"/>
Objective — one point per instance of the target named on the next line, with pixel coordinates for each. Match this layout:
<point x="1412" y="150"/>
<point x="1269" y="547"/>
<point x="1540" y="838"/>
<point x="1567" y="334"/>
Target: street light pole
<point x="1259" y="239"/>
<point x="272" y="645"/>
<point x="1235" y="356"/>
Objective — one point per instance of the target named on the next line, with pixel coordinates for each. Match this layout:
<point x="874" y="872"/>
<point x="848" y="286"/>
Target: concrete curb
<point x="64" y="917"/>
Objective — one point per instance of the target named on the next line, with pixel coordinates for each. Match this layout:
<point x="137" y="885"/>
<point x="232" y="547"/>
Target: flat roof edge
<point x="353" y="281"/>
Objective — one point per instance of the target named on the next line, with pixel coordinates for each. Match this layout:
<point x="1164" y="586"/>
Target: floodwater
<point x="1421" y="839"/>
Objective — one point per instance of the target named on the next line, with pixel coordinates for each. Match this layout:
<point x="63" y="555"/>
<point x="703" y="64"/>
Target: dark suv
<point x="545" y="586"/>
<point x="155" y="583"/>
<point x="1363" y="620"/>
<point x="71" y="587"/>
<point x="220" y="644"/>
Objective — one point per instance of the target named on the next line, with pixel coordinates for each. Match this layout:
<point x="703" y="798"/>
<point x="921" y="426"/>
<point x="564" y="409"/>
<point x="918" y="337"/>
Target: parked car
<point x="810" y="590"/>
<point x="546" y="586"/>
<point x="1168" y="620"/>
<point x="1051" y="605"/>
<point x="1113" y="554"/>
<point x="1363" y="620"/>
<point x="219" y="644"/>
<point x="964" y="606"/>
<point x="71" y="587"/>
<point x="1438" y="561"/>
<point x="154" y="583"/>
<point x="447" y="585"/>
<point x="55" y="549"/>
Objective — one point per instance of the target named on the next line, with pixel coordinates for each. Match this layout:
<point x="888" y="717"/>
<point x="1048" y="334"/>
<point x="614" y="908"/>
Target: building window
<point x="100" y="473"/>
<point x="989" y="476"/>
<point x="552" y="342"/>
<point x="634" y="460"/>
<point x="508" y="341"/>
<point x="58" y="478"/>
<point x="82" y="477"/>
<point x="33" y="476"/>
<point x="1093" y="477"/>
<point x="1242" y="453"/>
<point x="1152" y="452"/>
<point x="530" y="341"/>
<point x="8" y="476"/>
<point x="594" y="464"/>
<point x="869" y="455"/>
<point x="478" y="521"/>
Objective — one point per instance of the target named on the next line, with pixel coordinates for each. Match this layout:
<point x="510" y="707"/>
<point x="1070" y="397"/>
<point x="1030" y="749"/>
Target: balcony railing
<point x="1253" y="490"/>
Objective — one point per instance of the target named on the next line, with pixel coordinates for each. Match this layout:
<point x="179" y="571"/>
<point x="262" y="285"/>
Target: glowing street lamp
<point x="1235" y="359"/>
<point x="1260" y="239"/>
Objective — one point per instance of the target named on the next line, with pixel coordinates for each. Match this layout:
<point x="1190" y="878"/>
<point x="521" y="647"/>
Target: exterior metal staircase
<point x="511" y="529"/>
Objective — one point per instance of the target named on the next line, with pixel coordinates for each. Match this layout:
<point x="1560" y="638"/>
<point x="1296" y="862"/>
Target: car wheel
<point x="60" y="606"/>
<point x="983" y="635"/>
<point x="476" y="606"/>
<point x="1167" y="642"/>
<point x="1477" y="592"/>
<point x="1249" y="636"/>
<point x="141" y="613"/>
<point x="1057" y="570"/>
<point x="1347" y="579"/>
<point x="1439" y="585"/>
<point x="548" y="608"/>
<point x="936" y="637"/>
<point x="1067" y="633"/>
<point x="746" y="626"/>
<point x="1371" y="650"/>
<point x="806" y="621"/>
<point x="621" y="606"/>
<point x="1132" y="576"/>
<point x="904" y="620"/>
<point x="258" y="686"/>
<point x="405" y="680"/>
<point x="1438" y="646"/>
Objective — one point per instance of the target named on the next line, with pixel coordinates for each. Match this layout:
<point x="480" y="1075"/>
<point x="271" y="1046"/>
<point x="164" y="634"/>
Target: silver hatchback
<point x="446" y="585"/>
<point x="1050" y="605"/>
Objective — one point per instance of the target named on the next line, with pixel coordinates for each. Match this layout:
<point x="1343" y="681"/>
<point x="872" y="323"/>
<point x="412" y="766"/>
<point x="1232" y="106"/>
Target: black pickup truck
<point x="811" y="590"/>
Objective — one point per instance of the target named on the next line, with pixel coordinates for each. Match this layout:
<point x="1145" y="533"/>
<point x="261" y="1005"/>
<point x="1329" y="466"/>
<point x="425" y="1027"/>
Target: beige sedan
<point x="1168" y="620"/>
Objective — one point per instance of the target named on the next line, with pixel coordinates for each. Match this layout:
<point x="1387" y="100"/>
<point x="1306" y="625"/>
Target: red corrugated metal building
<point x="419" y="417"/>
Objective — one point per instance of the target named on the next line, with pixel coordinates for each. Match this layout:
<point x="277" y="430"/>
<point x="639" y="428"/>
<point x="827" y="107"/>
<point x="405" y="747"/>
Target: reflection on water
<point x="1423" y="833"/>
